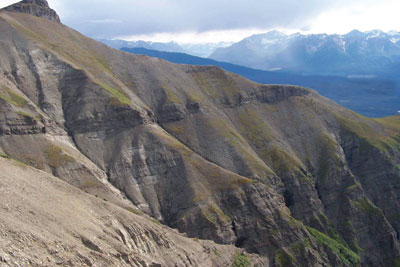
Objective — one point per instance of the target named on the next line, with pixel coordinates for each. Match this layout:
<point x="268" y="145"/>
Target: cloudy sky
<point x="221" y="20"/>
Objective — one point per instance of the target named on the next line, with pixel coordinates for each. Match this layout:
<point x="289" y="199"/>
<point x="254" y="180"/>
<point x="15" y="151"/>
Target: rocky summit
<point x="114" y="159"/>
<point x="38" y="8"/>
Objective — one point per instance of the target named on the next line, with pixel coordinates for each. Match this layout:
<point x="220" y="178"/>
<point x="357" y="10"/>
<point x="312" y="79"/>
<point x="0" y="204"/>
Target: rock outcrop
<point x="275" y="170"/>
<point x="38" y="8"/>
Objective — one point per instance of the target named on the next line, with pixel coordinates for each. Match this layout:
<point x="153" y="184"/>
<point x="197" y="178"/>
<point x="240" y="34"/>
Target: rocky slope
<point x="46" y="222"/>
<point x="276" y="170"/>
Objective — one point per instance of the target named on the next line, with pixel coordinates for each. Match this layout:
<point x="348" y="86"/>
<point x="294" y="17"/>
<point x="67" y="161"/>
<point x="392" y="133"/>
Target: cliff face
<point x="276" y="170"/>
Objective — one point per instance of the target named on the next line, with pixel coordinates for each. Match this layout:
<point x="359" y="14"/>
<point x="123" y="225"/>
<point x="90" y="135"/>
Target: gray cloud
<point x="152" y="16"/>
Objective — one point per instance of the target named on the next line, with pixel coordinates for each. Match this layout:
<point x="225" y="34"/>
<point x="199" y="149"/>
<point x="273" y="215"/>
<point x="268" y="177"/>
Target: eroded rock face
<point x="38" y="8"/>
<point x="276" y="170"/>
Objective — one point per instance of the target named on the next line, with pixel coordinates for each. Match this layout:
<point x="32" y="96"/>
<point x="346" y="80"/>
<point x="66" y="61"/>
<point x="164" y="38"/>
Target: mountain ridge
<point x="372" y="97"/>
<point x="356" y="52"/>
<point x="275" y="170"/>
<point x="201" y="50"/>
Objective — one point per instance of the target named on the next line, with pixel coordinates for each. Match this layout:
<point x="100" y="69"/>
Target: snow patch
<point x="343" y="44"/>
<point x="374" y="34"/>
<point x="265" y="41"/>
<point x="394" y="40"/>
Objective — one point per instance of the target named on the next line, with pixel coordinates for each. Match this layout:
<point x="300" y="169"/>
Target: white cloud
<point x="195" y="37"/>
<point x="221" y="20"/>
<point x="179" y="16"/>
<point x="364" y="16"/>
<point x="105" y="21"/>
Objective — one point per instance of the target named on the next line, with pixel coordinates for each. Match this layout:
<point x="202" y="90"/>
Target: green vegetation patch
<point x="12" y="98"/>
<point x="390" y="123"/>
<point x="119" y="96"/>
<point x="367" y="207"/>
<point x="346" y="255"/>
<point x="283" y="259"/>
<point x="30" y="117"/>
<point x="25" y="115"/>
<point x="396" y="262"/>
<point x="334" y="234"/>
<point x="281" y="160"/>
<point x="102" y="64"/>
<point x="241" y="260"/>
<point x="353" y="186"/>
<point x="194" y="96"/>
<point x="134" y="210"/>
<point x="171" y="95"/>
<point x="176" y="128"/>
<point x="56" y="157"/>
<point x="384" y="139"/>
<point x="217" y="252"/>
<point x="212" y="212"/>
<point x="4" y="156"/>
<point x="299" y="248"/>
<point x="295" y="223"/>
<point x="155" y="221"/>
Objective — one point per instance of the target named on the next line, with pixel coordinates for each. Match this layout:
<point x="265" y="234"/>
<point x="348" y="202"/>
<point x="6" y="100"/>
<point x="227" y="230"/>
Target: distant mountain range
<point x="362" y="54"/>
<point x="201" y="50"/>
<point x="372" y="97"/>
<point x="355" y="54"/>
<point x="169" y="47"/>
